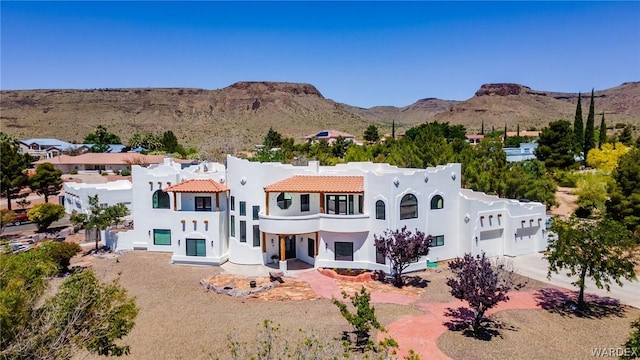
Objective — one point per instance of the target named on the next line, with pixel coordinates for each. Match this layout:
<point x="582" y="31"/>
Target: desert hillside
<point x="239" y="115"/>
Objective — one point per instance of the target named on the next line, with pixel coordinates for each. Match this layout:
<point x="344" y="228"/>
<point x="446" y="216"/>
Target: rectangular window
<point x="233" y="225"/>
<point x="304" y="202"/>
<point x="337" y="204"/>
<point x="243" y="208"/>
<point x="203" y="203"/>
<point x="256" y="235"/>
<point x="344" y="251"/>
<point x="243" y="231"/>
<point x="311" y="247"/>
<point x="360" y="204"/>
<point x="256" y="210"/>
<point x="233" y="203"/>
<point x="161" y="237"/>
<point x="351" y="205"/>
<point x="196" y="247"/>
<point x="438" y="240"/>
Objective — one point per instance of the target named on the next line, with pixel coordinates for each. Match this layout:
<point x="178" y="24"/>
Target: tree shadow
<point x="407" y="280"/>
<point x="462" y="320"/>
<point x="415" y="281"/>
<point x="565" y="303"/>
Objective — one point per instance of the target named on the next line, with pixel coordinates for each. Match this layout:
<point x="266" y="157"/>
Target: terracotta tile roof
<point x="197" y="186"/>
<point x="104" y="159"/>
<point x="309" y="183"/>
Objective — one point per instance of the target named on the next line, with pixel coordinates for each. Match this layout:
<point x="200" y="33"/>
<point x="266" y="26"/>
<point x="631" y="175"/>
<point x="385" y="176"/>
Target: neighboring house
<point x="326" y="216"/>
<point x="532" y="134"/>
<point x="76" y="195"/>
<point x="101" y="161"/>
<point x="46" y="148"/>
<point x="522" y="153"/>
<point x="330" y="136"/>
<point x="474" y="139"/>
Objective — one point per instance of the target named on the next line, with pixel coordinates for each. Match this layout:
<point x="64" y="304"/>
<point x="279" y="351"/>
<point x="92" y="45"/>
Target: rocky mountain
<point x="238" y="116"/>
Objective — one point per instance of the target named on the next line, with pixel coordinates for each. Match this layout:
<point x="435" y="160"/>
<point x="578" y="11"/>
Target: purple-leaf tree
<point x="402" y="248"/>
<point x="481" y="284"/>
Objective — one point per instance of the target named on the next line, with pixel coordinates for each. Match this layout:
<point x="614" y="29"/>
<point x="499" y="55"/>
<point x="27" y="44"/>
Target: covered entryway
<point x="289" y="247"/>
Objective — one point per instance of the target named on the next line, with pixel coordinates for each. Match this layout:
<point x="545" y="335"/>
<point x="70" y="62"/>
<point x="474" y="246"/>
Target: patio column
<point x="264" y="242"/>
<point x="317" y="242"/>
<point x="321" y="203"/>
<point x="175" y="202"/>
<point x="217" y="202"/>
<point x="282" y="248"/>
<point x="266" y="202"/>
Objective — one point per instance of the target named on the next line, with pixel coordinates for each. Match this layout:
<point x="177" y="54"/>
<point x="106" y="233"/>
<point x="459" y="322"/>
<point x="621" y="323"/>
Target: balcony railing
<point x="314" y="222"/>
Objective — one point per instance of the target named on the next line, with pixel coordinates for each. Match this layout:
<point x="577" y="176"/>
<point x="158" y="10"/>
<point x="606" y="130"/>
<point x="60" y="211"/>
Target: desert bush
<point x="43" y="215"/>
<point x="73" y="172"/>
<point x="60" y="253"/>
<point x="125" y="172"/>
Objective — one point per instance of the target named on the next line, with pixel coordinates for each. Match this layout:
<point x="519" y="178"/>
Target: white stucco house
<point x="326" y="216"/>
<point x="76" y="195"/>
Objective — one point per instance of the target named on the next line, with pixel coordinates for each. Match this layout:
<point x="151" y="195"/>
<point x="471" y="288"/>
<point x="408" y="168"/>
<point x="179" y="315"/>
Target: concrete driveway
<point x="535" y="266"/>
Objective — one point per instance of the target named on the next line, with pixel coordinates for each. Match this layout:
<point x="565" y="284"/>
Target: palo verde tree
<point x="481" y="284"/>
<point x="100" y="218"/>
<point x="13" y="166"/>
<point x="600" y="250"/>
<point x="402" y="248"/>
<point x="46" y="181"/>
<point x="43" y="215"/>
<point x="363" y="319"/>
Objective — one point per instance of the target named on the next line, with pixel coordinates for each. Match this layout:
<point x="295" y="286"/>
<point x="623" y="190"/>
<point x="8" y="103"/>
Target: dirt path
<point x="566" y="200"/>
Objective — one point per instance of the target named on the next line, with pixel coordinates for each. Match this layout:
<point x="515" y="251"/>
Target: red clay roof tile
<point x="197" y="186"/>
<point x="307" y="183"/>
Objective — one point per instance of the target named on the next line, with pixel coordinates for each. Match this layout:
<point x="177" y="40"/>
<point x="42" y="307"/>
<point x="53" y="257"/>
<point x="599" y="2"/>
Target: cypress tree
<point x="505" y="133"/>
<point x="589" y="132"/>
<point x="578" y="127"/>
<point x="482" y="128"/>
<point x="393" y="129"/>
<point x="518" y="130"/>
<point x="602" y="138"/>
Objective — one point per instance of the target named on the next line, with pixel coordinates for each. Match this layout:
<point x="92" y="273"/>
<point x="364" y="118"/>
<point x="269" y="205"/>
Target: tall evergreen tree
<point x="505" y="133"/>
<point x="589" y="132"/>
<point x="518" y="130"/>
<point x="578" y="126"/>
<point x="602" y="136"/>
<point x="393" y="129"/>
<point x="482" y="128"/>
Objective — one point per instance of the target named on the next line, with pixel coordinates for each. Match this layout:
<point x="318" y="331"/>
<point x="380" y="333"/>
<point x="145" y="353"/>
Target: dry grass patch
<point x="540" y="334"/>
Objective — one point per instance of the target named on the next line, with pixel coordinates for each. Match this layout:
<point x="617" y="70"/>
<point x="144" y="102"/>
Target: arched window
<point x="437" y="202"/>
<point x="284" y="200"/>
<point x="408" y="207"/>
<point x="380" y="215"/>
<point x="160" y="200"/>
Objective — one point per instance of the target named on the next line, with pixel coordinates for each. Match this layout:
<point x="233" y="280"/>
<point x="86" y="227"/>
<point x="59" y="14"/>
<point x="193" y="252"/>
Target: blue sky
<point x="359" y="53"/>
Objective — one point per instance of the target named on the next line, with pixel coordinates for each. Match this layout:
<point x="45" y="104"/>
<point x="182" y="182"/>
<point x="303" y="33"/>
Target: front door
<point x="290" y="247"/>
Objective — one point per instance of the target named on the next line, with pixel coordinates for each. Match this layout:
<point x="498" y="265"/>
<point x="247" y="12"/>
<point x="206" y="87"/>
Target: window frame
<point x="203" y="204"/>
<point x="305" y="201"/>
<point x="256" y="235"/>
<point x="232" y="229"/>
<point x="311" y="247"/>
<point x="285" y="202"/>
<point x="243" y="231"/>
<point x="233" y="203"/>
<point x="337" y="257"/>
<point x="403" y="206"/>
<point x="381" y="212"/>
<point x="191" y="243"/>
<point x="155" y="231"/>
<point x="437" y="202"/>
<point x="156" y="200"/>
<point x="243" y="208"/>
<point x="438" y="240"/>
<point x="256" y="211"/>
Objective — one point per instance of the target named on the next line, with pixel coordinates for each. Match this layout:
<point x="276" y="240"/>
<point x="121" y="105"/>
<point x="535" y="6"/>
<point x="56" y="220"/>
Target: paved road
<point x="31" y="226"/>
<point x="535" y="267"/>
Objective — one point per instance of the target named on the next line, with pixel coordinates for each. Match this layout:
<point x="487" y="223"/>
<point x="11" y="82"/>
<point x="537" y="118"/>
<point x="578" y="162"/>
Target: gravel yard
<point x="179" y="319"/>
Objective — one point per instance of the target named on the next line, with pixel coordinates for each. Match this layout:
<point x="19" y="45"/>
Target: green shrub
<point x="60" y="253"/>
<point x="125" y="172"/>
<point x="73" y="172"/>
<point x="104" y="173"/>
<point x="45" y="214"/>
<point x="116" y="172"/>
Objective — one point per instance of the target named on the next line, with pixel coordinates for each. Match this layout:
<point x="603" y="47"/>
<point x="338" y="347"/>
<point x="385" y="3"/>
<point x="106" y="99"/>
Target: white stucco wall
<point x="110" y="193"/>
